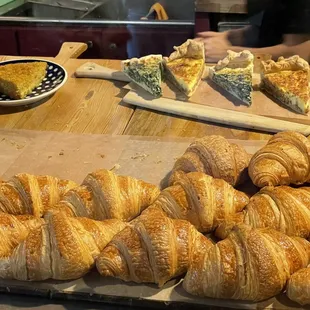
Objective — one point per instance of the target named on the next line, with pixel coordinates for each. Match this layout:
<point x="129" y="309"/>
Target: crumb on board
<point x="101" y="155"/>
<point x="141" y="157"/>
<point x="50" y="156"/>
<point x="61" y="153"/>
<point x="115" y="167"/>
<point x="13" y="143"/>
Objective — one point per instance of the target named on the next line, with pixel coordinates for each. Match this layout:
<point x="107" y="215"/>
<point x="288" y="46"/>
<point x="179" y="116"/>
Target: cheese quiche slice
<point x="146" y="72"/>
<point x="234" y="74"/>
<point x="18" y="80"/>
<point x="288" y="81"/>
<point x="185" y="66"/>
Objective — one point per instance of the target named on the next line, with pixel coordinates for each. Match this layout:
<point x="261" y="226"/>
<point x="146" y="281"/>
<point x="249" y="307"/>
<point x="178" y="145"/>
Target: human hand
<point x="211" y="34"/>
<point x="215" y="47"/>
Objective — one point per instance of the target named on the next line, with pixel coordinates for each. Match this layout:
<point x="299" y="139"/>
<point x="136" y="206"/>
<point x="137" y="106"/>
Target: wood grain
<point x="213" y="114"/>
<point x="149" y="123"/>
<point x="95" y="106"/>
<point x="81" y="106"/>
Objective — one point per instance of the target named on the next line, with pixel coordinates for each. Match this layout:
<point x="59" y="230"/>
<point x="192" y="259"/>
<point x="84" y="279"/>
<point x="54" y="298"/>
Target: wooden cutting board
<point x="209" y="102"/>
<point x="73" y="156"/>
<point x="210" y="94"/>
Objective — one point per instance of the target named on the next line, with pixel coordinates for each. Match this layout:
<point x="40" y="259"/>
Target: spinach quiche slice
<point x="146" y="72"/>
<point x="288" y="81"/>
<point x="234" y="74"/>
<point x="185" y="66"/>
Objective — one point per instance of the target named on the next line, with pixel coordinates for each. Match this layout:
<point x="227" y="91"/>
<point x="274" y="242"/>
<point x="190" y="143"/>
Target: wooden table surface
<point x="96" y="106"/>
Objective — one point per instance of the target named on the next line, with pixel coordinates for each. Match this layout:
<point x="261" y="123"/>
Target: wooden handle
<point x="216" y="115"/>
<point x="92" y="70"/>
<point x="70" y="50"/>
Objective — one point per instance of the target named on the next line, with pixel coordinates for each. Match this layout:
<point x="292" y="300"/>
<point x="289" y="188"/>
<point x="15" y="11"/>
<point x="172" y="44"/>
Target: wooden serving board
<point x="210" y="94"/>
<point x="209" y="102"/>
<point x="73" y="156"/>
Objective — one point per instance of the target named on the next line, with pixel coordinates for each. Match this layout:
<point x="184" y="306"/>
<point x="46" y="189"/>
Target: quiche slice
<point x="20" y="79"/>
<point x="146" y="72"/>
<point x="185" y="66"/>
<point x="288" y="81"/>
<point x="234" y="74"/>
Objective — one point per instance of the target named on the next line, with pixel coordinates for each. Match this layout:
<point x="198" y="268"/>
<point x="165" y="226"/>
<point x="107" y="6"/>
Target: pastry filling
<point x="236" y="81"/>
<point x="289" y="87"/>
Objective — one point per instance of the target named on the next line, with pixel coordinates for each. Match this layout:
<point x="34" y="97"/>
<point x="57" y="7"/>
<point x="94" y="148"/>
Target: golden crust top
<point x="293" y="63"/>
<point x="235" y="60"/>
<point x="143" y="60"/>
<point x="189" y="49"/>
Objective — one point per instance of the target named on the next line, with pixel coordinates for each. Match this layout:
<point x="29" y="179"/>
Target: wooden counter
<point x="95" y="106"/>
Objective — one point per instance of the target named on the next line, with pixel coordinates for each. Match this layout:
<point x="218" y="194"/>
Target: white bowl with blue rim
<point x="56" y="76"/>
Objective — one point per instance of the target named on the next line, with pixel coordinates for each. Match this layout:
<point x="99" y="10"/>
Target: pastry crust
<point x="189" y="49"/>
<point x="146" y="60"/>
<point x="186" y="65"/>
<point x="251" y="264"/>
<point x="105" y="195"/>
<point x="283" y="161"/>
<point x="64" y="248"/>
<point x="215" y="156"/>
<point x="30" y="194"/>
<point x="153" y="249"/>
<point x="293" y="63"/>
<point x="298" y="287"/>
<point x="234" y="74"/>
<point x="235" y="60"/>
<point x="200" y="199"/>
<point x="282" y="208"/>
<point x="146" y="72"/>
<point x="20" y="79"/>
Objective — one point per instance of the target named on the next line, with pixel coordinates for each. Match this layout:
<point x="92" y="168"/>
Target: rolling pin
<point x="216" y="115"/>
<point x="92" y="70"/>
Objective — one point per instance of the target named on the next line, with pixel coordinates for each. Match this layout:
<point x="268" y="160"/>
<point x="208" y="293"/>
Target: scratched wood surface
<point x="96" y="106"/>
<point x="80" y="106"/>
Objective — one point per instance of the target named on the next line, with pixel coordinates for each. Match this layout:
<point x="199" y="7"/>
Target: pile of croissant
<point x="129" y="229"/>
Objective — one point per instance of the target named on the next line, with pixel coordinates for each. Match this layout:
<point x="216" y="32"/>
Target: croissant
<point x="298" y="287"/>
<point x="215" y="156"/>
<point x="104" y="195"/>
<point x="282" y="208"/>
<point x="29" y="194"/>
<point x="251" y="264"/>
<point x="153" y="249"/>
<point x="202" y="200"/>
<point x="64" y="248"/>
<point x="284" y="160"/>
<point x="14" y="229"/>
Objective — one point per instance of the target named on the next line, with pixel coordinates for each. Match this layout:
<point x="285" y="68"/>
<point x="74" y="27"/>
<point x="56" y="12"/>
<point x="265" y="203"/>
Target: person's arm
<point x="235" y="36"/>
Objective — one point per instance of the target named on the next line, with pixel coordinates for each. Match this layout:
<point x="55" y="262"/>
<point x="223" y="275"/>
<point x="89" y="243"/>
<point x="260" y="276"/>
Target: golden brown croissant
<point x="251" y="264"/>
<point x="153" y="249"/>
<point x="104" y="195"/>
<point x="282" y="208"/>
<point x="284" y="160"/>
<point x="15" y="229"/>
<point x="29" y="194"/>
<point x="215" y="156"/>
<point x="64" y="248"/>
<point x="298" y="287"/>
<point x="202" y="200"/>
